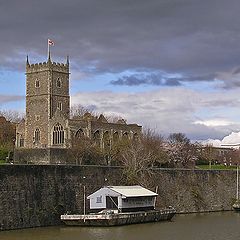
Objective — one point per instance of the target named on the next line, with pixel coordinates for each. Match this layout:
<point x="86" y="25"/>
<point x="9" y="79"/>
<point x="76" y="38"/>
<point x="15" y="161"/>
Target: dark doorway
<point x="111" y="202"/>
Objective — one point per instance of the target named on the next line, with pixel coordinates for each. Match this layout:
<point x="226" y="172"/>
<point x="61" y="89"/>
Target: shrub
<point x="3" y="153"/>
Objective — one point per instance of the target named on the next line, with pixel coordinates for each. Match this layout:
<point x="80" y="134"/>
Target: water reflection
<point x="213" y="226"/>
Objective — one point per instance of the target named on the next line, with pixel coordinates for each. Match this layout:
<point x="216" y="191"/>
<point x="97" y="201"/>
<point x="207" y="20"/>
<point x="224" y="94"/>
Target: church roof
<point x="102" y="119"/>
<point x="121" y="121"/>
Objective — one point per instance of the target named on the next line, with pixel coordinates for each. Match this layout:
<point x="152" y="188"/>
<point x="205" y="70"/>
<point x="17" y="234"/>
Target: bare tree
<point x="113" y="118"/>
<point x="176" y="138"/>
<point x="84" y="151"/>
<point x="7" y="137"/>
<point x="182" y="153"/>
<point x="140" y="156"/>
<point x="154" y="142"/>
<point x="78" y="111"/>
<point x="232" y="157"/>
<point x="137" y="162"/>
<point x="12" y="115"/>
<point x="209" y="154"/>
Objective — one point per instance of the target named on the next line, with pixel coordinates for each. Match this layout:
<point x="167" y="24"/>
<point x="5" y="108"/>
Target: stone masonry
<point x="36" y="195"/>
<point x="48" y="126"/>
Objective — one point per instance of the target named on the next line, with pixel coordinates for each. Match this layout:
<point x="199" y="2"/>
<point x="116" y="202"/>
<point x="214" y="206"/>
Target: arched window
<point x="115" y="137"/>
<point x="37" y="83"/>
<point x="106" y="141"/>
<point x="59" y="83"/>
<point x="21" y="141"/>
<point x="58" y="134"/>
<point x="125" y="136"/>
<point x="37" y="135"/>
<point x="79" y="134"/>
<point x="96" y="137"/>
<point x="135" y="137"/>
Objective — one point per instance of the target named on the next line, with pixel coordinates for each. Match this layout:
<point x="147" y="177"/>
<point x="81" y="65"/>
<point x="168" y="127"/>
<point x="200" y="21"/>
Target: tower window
<point x="37" y="84"/>
<point x="59" y="106"/>
<point x="21" y="141"/>
<point x="59" y="84"/>
<point x="37" y="135"/>
<point x="58" y="134"/>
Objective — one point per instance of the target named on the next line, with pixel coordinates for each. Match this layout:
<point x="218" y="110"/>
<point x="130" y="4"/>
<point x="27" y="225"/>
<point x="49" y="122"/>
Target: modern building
<point x="123" y="199"/>
<point x="47" y="130"/>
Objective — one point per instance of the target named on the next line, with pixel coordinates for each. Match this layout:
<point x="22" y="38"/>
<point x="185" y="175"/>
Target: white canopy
<point x="126" y="191"/>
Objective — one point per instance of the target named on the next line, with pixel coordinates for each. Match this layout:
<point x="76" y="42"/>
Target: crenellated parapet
<point x="60" y="67"/>
<point x="46" y="66"/>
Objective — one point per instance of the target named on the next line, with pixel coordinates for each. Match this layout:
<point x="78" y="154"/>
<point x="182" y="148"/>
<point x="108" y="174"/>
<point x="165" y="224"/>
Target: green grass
<point x="216" y="167"/>
<point x="2" y="162"/>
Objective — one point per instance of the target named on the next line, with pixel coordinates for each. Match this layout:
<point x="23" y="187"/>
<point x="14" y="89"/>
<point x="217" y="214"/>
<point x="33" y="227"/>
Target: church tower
<point x="47" y="94"/>
<point x="47" y="133"/>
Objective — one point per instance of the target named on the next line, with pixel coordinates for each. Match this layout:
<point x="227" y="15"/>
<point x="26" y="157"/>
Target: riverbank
<point x="36" y="195"/>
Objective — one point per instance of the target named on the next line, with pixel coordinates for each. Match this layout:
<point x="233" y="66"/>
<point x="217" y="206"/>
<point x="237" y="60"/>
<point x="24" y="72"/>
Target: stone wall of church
<point x="36" y="118"/>
<point x="43" y="96"/>
<point x="60" y="91"/>
<point x="42" y="156"/>
<point x="37" y="104"/>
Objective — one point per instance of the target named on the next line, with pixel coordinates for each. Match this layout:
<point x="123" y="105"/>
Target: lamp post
<point x="237" y="194"/>
<point x="84" y="199"/>
<point x="13" y="149"/>
<point x="237" y="184"/>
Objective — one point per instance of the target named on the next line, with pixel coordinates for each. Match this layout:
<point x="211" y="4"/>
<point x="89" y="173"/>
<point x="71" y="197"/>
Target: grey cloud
<point x="173" y="82"/>
<point x="231" y="83"/>
<point x="187" y="36"/>
<point x="139" y="79"/>
<point x="168" y="110"/>
<point x="6" y="99"/>
<point x="158" y="79"/>
<point x="229" y="79"/>
<point x="237" y="70"/>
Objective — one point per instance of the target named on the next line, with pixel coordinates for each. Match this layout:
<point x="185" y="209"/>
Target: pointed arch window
<point x="79" y="134"/>
<point x="135" y="137"/>
<point x="106" y="141"/>
<point x="97" y="138"/>
<point x="58" y="134"/>
<point x="125" y="136"/>
<point x="21" y="141"/>
<point x="115" y="137"/>
<point x="37" y="135"/>
<point x="59" y="83"/>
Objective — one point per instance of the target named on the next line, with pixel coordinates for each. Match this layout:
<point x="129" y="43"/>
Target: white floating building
<point x="123" y="199"/>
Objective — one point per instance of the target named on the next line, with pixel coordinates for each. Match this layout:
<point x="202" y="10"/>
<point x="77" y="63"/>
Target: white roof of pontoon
<point x="132" y="191"/>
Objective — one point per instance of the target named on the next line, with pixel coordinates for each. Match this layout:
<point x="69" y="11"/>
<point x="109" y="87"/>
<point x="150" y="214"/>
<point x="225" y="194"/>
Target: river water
<point x="210" y="226"/>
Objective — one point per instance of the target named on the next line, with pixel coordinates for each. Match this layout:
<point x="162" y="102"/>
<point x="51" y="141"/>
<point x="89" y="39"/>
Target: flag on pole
<point x="50" y="42"/>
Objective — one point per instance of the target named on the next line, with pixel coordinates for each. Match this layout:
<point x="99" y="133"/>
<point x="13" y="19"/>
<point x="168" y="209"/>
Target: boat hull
<point x="118" y="218"/>
<point x="236" y="207"/>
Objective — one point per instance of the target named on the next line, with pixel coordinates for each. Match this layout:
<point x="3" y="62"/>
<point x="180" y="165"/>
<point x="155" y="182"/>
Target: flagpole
<point x="50" y="42"/>
<point x="48" y="53"/>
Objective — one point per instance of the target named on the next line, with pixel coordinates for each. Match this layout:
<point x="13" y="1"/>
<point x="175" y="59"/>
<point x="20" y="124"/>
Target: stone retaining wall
<point x="36" y="195"/>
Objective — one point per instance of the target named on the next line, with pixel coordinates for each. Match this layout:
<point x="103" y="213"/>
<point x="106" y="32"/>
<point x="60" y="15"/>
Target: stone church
<point x="48" y="130"/>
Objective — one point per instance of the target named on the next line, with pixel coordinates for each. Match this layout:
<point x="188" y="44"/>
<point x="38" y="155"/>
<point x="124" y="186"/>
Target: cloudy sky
<point x="172" y="65"/>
